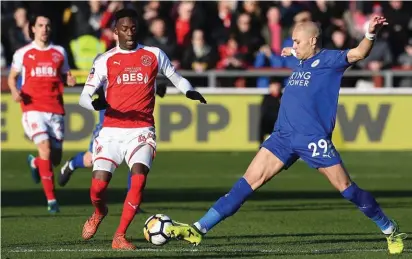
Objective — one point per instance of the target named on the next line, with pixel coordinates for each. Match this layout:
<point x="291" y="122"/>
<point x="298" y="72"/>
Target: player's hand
<point x="195" y="95"/>
<point x="286" y="52"/>
<point x="16" y="96"/>
<point x="161" y="89"/>
<point x="376" y="23"/>
<point x="70" y="80"/>
<point x="100" y="104"/>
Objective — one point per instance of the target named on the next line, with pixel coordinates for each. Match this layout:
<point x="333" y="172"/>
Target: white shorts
<point x="113" y="145"/>
<point x="39" y="126"/>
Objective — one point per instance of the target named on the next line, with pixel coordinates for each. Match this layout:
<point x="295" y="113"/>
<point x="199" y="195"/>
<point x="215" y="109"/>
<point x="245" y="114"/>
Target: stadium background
<point x="230" y="50"/>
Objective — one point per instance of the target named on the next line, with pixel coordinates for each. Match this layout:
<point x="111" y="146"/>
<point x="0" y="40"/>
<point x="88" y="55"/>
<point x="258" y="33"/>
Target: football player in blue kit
<point x="304" y="130"/>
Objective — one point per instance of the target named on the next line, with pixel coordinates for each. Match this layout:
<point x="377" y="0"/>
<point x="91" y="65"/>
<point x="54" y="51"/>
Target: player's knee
<point x="254" y="177"/>
<point x="104" y="165"/>
<point x="43" y="147"/>
<point x="87" y="159"/>
<point x="102" y="175"/>
<point x="139" y="168"/>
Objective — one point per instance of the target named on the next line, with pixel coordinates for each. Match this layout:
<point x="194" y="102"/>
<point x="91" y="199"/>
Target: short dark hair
<point x="130" y="13"/>
<point x="32" y="22"/>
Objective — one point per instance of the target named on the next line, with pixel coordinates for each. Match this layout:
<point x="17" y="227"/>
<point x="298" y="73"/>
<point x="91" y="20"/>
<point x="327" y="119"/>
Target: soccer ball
<point x="155" y="229"/>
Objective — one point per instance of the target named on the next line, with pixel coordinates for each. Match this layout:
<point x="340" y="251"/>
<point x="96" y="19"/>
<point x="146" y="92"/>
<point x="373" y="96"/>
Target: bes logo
<point x="300" y="79"/>
<point x="43" y="71"/>
<point x="132" y="78"/>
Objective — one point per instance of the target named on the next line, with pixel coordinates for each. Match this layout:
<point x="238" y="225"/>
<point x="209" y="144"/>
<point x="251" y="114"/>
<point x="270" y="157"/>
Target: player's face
<point x="127" y="33"/>
<point x="42" y="29"/>
<point x="303" y="43"/>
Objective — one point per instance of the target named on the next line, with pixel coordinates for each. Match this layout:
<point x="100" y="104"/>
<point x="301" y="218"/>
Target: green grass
<point x="297" y="215"/>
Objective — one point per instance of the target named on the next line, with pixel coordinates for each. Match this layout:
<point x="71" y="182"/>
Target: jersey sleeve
<point x="17" y="63"/>
<point x="65" y="68"/>
<point x="98" y="74"/>
<point x="165" y="66"/>
<point x="339" y="58"/>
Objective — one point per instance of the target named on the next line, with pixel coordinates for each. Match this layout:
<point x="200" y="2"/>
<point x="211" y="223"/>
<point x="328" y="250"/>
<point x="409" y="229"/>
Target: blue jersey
<point x="309" y="102"/>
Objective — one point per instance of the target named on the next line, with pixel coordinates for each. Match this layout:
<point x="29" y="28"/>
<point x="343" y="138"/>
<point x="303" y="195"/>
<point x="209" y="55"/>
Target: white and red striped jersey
<point x="130" y="84"/>
<point x="42" y="73"/>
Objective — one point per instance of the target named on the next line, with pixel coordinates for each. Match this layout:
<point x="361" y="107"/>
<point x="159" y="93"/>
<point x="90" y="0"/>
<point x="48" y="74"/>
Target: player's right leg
<point x="269" y="161"/>
<point x="107" y="156"/>
<point x="35" y="127"/>
<point x="100" y="182"/>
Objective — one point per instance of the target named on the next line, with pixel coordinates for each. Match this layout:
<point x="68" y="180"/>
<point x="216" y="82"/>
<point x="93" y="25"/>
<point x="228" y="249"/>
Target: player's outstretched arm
<point x="365" y="46"/>
<point x="185" y="87"/>
<point x="181" y="83"/>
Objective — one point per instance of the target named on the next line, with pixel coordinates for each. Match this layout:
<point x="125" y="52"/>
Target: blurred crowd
<point x="226" y="35"/>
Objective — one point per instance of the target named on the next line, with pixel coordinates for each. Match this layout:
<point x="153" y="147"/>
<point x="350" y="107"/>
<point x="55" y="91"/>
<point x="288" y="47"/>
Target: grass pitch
<point x="296" y="215"/>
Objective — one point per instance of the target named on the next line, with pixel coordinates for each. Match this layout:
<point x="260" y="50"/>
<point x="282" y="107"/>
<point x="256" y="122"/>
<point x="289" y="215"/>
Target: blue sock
<point x="77" y="161"/>
<point x="129" y="180"/>
<point x="226" y="206"/>
<point x="368" y="205"/>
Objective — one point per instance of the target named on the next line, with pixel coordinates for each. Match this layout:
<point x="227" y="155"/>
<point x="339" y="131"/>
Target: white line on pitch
<point x="270" y="251"/>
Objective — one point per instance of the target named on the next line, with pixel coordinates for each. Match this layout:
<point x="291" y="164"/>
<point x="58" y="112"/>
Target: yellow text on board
<point x="231" y="123"/>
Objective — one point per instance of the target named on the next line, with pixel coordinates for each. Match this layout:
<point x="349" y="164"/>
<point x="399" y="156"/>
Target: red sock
<point x="47" y="177"/>
<point x="132" y="202"/>
<point x="98" y="196"/>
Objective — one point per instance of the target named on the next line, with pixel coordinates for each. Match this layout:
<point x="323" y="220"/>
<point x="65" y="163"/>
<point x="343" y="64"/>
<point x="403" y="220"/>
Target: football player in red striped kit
<point x="128" y="132"/>
<point x="45" y="70"/>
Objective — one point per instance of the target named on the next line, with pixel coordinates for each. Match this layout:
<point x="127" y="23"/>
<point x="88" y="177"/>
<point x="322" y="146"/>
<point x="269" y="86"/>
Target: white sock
<point x="32" y="163"/>
<point x="199" y="227"/>
<point x="51" y="201"/>
<point x="389" y="230"/>
<point x="71" y="165"/>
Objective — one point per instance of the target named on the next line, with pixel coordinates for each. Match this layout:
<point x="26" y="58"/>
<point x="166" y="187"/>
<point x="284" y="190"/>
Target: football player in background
<point x="44" y="69"/>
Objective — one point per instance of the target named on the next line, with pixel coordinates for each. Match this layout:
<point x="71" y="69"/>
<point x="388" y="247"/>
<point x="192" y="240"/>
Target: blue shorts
<point x="96" y="130"/>
<point x="316" y="151"/>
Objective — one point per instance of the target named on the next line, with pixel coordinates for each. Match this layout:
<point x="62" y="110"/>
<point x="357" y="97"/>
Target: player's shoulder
<point x="155" y="50"/>
<point x="331" y="55"/>
<point x="21" y="51"/>
<point x="58" y="48"/>
<point x="103" y="57"/>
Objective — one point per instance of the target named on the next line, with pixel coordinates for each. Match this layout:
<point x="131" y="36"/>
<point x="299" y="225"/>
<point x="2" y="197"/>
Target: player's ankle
<point x="119" y="233"/>
<point x="199" y="229"/>
<point x="71" y="167"/>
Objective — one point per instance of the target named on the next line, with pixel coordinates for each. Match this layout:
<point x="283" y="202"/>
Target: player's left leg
<point x="81" y="159"/>
<point x="320" y="153"/>
<point x="366" y="203"/>
<point x="37" y="127"/>
<point x="140" y="160"/>
<point x="274" y="156"/>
